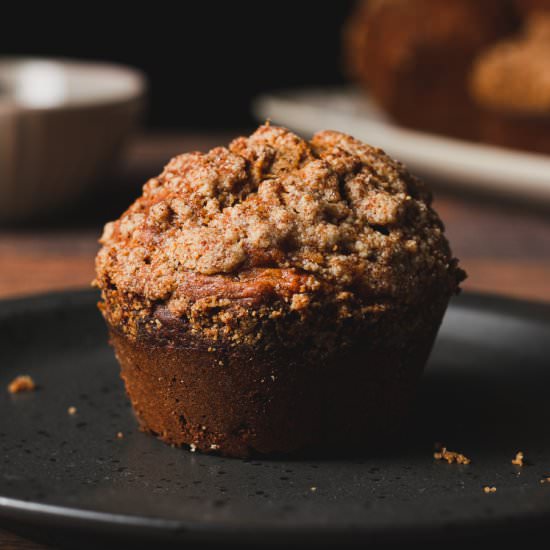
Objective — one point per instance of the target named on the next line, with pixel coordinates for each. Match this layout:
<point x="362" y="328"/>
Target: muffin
<point x="527" y="7"/>
<point x="414" y="56"/>
<point x="511" y="82"/>
<point x="276" y="296"/>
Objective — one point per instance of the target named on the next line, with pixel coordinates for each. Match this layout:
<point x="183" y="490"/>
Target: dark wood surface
<point x="505" y="247"/>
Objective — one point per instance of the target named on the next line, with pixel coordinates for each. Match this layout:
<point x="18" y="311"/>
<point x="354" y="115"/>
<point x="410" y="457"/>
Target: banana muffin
<point x="511" y="82"/>
<point x="275" y="296"/>
<point x="414" y="56"/>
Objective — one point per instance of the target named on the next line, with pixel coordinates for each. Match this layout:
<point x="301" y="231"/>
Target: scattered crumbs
<point x="488" y="489"/>
<point x="21" y="384"/>
<point x="451" y="456"/>
<point x="214" y="446"/>
<point x="71" y="411"/>
<point x="192" y="447"/>
<point x="313" y="489"/>
<point x="518" y="461"/>
<point x="545" y="479"/>
<point x="120" y="435"/>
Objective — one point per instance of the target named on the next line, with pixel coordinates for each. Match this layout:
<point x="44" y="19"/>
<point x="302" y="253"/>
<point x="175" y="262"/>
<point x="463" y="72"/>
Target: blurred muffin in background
<point x="537" y="26"/>
<point x="511" y="82"/>
<point x="414" y="57"/>
<point x="529" y="6"/>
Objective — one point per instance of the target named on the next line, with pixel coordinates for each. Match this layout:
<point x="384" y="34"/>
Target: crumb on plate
<point x="451" y="456"/>
<point x="518" y="461"/>
<point x="21" y="383"/>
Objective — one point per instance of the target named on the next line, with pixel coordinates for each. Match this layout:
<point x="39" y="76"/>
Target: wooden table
<point x="505" y="247"/>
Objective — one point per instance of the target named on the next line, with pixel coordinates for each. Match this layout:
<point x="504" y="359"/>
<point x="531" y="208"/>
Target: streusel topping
<point x="331" y="215"/>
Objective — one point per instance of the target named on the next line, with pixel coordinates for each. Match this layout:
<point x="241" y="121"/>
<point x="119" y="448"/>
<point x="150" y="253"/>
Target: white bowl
<point x="62" y="123"/>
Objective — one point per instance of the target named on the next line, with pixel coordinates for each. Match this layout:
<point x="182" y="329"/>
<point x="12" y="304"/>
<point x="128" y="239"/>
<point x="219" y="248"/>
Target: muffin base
<point x="241" y="401"/>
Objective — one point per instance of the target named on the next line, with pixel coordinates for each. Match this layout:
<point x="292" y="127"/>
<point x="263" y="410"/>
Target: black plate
<point x="485" y="394"/>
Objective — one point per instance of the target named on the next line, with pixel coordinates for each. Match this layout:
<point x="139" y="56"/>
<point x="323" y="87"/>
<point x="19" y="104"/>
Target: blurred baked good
<point x="276" y="295"/>
<point x="527" y="7"/>
<point x="511" y="82"/>
<point x="413" y="57"/>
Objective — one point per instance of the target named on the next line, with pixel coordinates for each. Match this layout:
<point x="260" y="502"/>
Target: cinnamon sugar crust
<point x="273" y="231"/>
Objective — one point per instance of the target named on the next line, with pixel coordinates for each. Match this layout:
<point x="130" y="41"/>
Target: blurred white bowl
<point x="62" y="123"/>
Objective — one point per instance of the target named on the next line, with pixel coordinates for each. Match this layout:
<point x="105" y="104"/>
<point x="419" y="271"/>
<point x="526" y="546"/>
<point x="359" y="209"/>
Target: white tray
<point x="470" y="164"/>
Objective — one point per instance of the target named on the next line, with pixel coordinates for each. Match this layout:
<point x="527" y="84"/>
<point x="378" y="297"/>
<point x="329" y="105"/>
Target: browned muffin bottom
<point x="414" y="57"/>
<point x="276" y="295"/>
<point x="511" y="82"/>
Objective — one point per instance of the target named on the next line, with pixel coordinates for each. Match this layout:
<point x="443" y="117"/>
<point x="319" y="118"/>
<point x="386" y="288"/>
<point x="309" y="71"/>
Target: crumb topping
<point x="21" y="383"/>
<point x="272" y="226"/>
<point x="514" y="75"/>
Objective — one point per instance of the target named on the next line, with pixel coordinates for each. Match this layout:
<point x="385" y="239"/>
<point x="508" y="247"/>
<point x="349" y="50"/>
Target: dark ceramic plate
<point x="485" y="394"/>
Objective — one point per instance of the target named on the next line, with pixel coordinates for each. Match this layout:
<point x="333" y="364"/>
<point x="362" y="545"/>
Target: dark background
<point x="205" y="60"/>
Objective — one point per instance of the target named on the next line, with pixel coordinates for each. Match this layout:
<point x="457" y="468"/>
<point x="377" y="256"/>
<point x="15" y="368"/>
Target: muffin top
<point x="276" y="219"/>
<point x="514" y="75"/>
